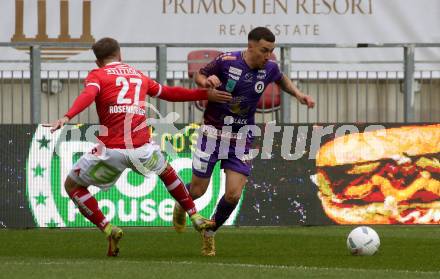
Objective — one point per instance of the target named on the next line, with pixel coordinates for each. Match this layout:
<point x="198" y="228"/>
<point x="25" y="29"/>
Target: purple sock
<point x="222" y="212"/>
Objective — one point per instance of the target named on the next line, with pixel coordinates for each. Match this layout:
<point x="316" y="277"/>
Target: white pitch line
<point x="292" y="267"/>
<point x="220" y="264"/>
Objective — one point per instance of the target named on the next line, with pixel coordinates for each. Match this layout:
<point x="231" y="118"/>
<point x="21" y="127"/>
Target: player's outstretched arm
<point x="287" y="85"/>
<point x="81" y="102"/>
<point x="181" y="94"/>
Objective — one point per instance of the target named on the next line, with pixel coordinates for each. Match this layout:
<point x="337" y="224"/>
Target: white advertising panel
<point x="221" y="21"/>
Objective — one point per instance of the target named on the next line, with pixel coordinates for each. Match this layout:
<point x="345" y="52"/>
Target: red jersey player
<point x="119" y="91"/>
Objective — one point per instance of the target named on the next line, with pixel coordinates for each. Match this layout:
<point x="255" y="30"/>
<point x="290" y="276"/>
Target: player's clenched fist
<point x="306" y="100"/>
<point x="212" y="82"/>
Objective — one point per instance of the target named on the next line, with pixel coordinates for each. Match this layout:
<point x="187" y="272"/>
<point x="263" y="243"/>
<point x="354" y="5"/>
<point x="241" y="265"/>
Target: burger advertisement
<point x="349" y="174"/>
<point x="389" y="176"/>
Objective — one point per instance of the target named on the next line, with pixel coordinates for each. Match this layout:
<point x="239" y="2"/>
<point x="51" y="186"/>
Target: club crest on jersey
<point x="259" y="87"/>
<point x="235" y="71"/>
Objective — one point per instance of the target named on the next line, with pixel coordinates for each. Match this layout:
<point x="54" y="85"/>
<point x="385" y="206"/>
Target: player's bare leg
<point x="179" y="218"/>
<point x="235" y="183"/>
<point x="88" y="206"/>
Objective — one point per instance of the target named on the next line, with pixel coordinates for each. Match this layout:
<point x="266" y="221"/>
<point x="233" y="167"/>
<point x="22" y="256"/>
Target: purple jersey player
<point x="246" y="86"/>
<point x="245" y="74"/>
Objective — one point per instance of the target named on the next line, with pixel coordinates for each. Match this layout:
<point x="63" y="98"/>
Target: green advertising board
<point x="134" y="200"/>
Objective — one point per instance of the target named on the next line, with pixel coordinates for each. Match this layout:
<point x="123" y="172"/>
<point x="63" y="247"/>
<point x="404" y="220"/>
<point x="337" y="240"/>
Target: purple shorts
<point x="234" y="155"/>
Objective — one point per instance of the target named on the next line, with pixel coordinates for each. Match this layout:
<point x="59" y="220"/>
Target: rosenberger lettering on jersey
<point x="126" y="109"/>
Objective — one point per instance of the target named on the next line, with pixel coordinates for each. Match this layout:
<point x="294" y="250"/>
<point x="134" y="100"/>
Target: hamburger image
<point x="387" y="176"/>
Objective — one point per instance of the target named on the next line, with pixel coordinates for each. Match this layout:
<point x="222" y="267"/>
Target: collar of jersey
<point x="112" y="63"/>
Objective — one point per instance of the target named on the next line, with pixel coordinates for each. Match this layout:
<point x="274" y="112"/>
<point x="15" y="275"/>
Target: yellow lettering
<point x="178" y="142"/>
<point x="165" y="138"/>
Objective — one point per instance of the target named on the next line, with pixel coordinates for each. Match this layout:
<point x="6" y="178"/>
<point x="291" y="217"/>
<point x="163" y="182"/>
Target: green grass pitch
<point x="262" y="252"/>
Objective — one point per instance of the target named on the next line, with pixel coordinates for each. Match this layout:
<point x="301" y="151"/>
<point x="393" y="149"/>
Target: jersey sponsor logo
<point x="230" y="85"/>
<point x="233" y="77"/>
<point x="242" y="121"/>
<point x="212" y="132"/>
<point x="259" y="87"/>
<point x="261" y="74"/>
<point x="134" y="200"/>
<point x="235" y="71"/>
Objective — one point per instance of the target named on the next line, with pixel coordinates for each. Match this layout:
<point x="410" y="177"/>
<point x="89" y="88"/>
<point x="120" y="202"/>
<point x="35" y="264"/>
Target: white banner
<point x="229" y="21"/>
<point x="221" y="21"/>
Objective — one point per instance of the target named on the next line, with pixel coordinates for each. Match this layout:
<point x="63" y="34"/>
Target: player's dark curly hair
<point x="261" y="33"/>
<point x="106" y="48"/>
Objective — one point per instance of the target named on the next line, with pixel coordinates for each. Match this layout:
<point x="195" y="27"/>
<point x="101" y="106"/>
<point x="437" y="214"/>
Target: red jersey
<point x="120" y="103"/>
<point x="119" y="92"/>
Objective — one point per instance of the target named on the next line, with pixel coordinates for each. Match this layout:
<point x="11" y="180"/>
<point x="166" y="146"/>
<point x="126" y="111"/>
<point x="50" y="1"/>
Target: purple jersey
<point x="246" y="86"/>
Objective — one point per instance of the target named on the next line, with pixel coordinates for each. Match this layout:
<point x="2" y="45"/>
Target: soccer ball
<point x="363" y="241"/>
